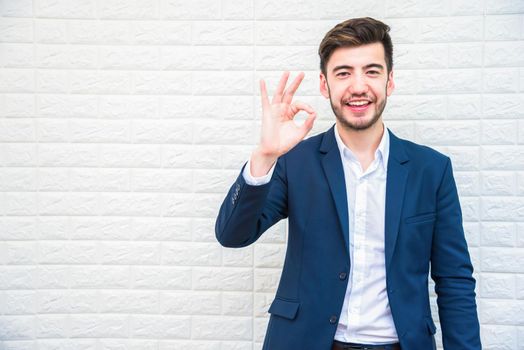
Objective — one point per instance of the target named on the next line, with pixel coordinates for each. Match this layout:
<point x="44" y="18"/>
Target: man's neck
<point x="362" y="142"/>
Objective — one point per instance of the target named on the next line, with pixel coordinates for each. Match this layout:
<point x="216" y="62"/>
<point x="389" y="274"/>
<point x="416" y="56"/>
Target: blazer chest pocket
<point x="284" y="308"/>
<point x="427" y="217"/>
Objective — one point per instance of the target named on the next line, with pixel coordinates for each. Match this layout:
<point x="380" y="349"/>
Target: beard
<point x="348" y="124"/>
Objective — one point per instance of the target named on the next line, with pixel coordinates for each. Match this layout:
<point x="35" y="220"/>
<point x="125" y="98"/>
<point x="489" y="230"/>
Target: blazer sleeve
<point x="248" y="211"/>
<point x="451" y="269"/>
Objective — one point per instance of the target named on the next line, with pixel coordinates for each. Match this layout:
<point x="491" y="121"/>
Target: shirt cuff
<point x="259" y="180"/>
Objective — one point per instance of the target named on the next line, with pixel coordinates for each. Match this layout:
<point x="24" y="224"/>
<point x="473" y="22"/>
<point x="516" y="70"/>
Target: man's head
<point x="356" y="63"/>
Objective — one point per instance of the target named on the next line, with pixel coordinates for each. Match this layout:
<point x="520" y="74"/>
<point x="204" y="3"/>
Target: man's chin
<point x="357" y="123"/>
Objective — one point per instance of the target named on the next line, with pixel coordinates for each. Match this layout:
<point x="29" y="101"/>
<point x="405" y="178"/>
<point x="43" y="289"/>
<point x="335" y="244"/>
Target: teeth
<point x="358" y="103"/>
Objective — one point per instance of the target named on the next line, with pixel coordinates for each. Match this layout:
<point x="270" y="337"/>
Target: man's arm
<point x="451" y="269"/>
<point x="248" y="211"/>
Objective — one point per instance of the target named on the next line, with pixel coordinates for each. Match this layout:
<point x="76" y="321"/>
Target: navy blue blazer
<point x="423" y="228"/>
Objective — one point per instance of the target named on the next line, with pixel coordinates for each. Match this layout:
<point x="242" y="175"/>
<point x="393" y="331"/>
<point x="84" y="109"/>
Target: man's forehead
<point x="358" y="56"/>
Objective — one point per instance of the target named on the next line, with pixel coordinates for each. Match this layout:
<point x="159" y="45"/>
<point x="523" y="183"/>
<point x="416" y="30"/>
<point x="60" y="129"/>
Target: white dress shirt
<point x="366" y="316"/>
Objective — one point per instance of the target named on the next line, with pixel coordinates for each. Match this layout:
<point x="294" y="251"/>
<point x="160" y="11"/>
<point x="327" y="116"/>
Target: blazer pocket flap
<point x="431" y="325"/>
<point x="284" y="308"/>
<point x="421" y="218"/>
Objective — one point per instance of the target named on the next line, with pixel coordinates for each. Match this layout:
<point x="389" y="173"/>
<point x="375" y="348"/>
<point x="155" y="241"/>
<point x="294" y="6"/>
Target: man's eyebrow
<point x="367" y="66"/>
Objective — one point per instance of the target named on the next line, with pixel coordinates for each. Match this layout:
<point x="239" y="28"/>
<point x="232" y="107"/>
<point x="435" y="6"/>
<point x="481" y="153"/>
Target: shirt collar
<point x="381" y="152"/>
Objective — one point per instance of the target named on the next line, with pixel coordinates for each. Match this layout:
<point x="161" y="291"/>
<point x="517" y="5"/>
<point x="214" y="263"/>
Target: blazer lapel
<point x="334" y="172"/>
<point x="395" y="188"/>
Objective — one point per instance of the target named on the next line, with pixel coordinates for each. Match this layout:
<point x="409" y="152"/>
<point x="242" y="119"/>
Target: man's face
<point x="357" y="85"/>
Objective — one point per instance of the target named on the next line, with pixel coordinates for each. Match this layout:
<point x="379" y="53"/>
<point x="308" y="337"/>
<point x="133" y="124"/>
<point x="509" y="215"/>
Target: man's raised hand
<point x="279" y="131"/>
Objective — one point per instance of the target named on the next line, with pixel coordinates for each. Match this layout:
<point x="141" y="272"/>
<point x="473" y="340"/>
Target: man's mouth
<point x="358" y="105"/>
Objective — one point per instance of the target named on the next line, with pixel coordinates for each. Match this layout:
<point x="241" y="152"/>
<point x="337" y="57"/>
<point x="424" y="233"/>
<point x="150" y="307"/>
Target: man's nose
<point x="358" y="85"/>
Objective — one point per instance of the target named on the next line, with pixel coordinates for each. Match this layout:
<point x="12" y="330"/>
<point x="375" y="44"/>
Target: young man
<point x="369" y="213"/>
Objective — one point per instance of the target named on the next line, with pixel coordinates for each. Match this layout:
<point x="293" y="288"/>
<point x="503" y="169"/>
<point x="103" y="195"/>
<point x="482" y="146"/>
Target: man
<point x="368" y="213"/>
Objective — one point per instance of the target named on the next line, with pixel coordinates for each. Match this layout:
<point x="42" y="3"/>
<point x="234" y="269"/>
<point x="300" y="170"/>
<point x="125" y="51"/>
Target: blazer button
<point x="342" y="276"/>
<point x="333" y="319"/>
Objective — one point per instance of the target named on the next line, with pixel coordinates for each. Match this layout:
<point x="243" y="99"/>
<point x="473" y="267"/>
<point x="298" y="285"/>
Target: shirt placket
<point x="359" y="249"/>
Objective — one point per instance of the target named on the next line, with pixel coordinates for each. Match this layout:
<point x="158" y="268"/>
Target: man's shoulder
<point x="421" y="153"/>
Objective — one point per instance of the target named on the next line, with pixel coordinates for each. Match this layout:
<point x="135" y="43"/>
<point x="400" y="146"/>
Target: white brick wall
<point x="123" y="123"/>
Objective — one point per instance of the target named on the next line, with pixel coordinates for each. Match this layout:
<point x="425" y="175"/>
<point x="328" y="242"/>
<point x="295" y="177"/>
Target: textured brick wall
<point x="123" y="122"/>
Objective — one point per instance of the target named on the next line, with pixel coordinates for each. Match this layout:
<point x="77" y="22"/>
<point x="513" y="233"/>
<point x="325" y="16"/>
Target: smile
<point x="358" y="106"/>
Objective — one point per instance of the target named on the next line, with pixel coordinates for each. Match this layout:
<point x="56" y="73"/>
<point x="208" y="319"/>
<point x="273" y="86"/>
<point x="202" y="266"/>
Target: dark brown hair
<point x="356" y="32"/>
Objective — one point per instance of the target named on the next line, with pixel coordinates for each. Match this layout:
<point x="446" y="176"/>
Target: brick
<point x="161" y="32"/>
<point x="93" y="82"/>
<point x="83" y="106"/>
<point x="507" y="27"/>
<point x="237" y="304"/>
<point x="191" y="253"/>
<point x="503" y="312"/>
<point x="19" y="105"/>
<point x="501" y="158"/>
<point x="17" y="55"/>
<point x="291" y="9"/>
<point x="129" y="57"/>
<point x="414" y="56"/>
<point x="162" y="131"/>
<point x="199" y="9"/>
<point x="154" y="277"/>
<point x="225" y="279"/>
<point x="17" y="80"/>
<point x="99" y="276"/>
<point x="504" y="54"/>
<point x="16" y="30"/>
<point x="498" y="337"/>
<point x="19" y="302"/>
<point x="465" y="55"/>
<point x="504" y="7"/>
<point x="498" y="183"/>
<point x="117" y="301"/>
<point x="62" y="9"/>
<point x="498" y="132"/>
<point x="190" y="303"/>
<point x="22" y="8"/>
<point x="222" y="328"/>
<point x="458" y="132"/>
<point x="20" y="253"/>
<point x="463" y="28"/>
<point x="502" y="260"/>
<point x="237" y="9"/>
<point x="288" y="58"/>
<point x="66" y="56"/>
<point x="93" y="326"/>
<point x="500" y="80"/>
<point x="52" y="81"/>
<point x="162" y="327"/>
<point x="125" y="9"/>
<point x="242" y="257"/>
<point x="225" y="33"/>
<point x="18" y="327"/>
<point x="269" y="255"/>
<point x="52" y="326"/>
<point x="51" y="31"/>
<point x="498" y="286"/>
<point x="498" y="234"/>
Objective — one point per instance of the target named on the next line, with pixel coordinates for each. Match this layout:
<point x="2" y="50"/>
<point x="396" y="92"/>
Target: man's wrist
<point x="261" y="163"/>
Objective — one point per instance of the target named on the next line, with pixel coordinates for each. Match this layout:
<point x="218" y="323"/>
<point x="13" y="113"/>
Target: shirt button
<point x="333" y="319"/>
<point x="342" y="276"/>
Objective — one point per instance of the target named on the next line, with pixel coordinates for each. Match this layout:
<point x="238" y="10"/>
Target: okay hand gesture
<point x="279" y="131"/>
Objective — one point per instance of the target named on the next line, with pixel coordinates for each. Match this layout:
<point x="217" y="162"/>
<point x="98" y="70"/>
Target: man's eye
<point x="342" y="74"/>
<point x="373" y="72"/>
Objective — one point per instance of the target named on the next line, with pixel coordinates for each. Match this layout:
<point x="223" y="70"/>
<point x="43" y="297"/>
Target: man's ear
<point x="324" y="88"/>
<point x="391" y="84"/>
